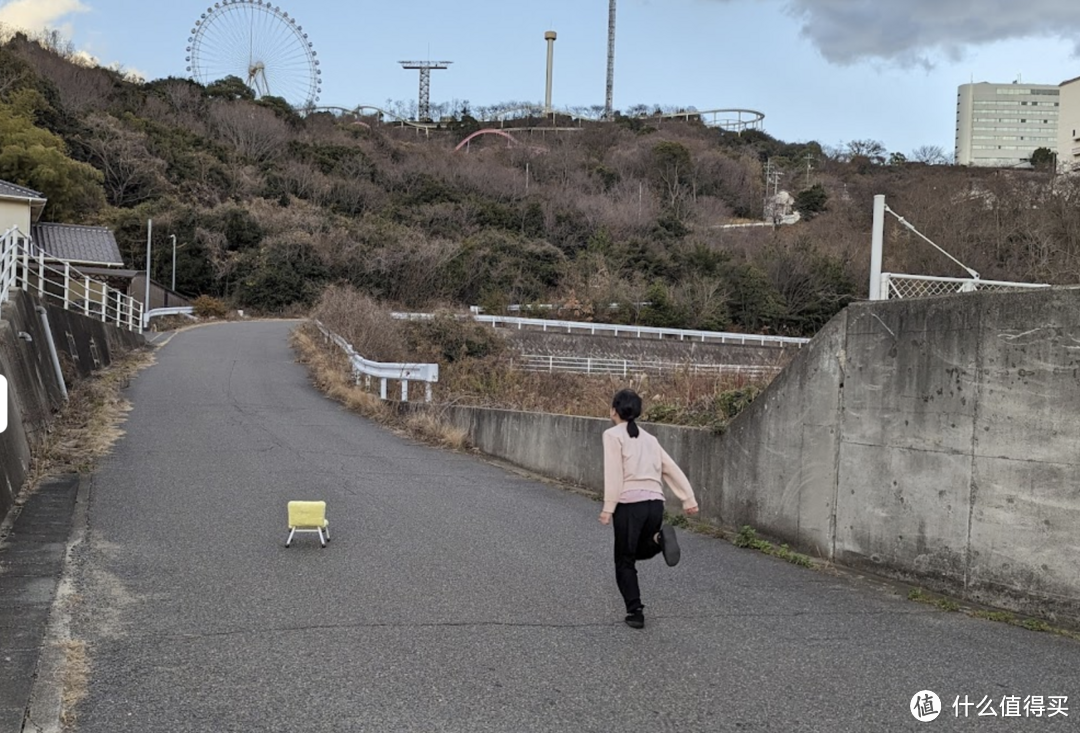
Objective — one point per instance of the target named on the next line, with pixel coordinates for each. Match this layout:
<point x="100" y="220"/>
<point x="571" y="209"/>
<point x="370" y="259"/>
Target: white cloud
<point x="39" y="15"/>
<point x="915" y="31"/>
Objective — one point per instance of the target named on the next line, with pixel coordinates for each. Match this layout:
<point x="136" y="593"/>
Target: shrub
<point x="734" y="401"/>
<point x="208" y="307"/>
<point x="447" y="338"/>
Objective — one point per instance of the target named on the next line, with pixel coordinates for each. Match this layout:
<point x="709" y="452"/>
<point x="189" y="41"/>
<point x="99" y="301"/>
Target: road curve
<point x="457" y="596"/>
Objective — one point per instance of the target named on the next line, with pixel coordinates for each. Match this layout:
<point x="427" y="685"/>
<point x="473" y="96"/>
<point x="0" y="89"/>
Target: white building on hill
<point x="1001" y="125"/>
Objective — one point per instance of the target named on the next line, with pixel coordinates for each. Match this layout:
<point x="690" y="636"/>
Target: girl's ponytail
<point x="627" y="405"/>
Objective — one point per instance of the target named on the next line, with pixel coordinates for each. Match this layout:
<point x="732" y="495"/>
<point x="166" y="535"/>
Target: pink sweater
<point x="635" y="469"/>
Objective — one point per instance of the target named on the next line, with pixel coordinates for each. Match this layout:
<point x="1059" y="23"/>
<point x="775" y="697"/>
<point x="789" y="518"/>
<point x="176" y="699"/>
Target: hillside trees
<point x="38" y="159"/>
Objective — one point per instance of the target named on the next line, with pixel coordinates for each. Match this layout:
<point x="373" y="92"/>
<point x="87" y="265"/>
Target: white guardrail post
<point x="385" y="372"/>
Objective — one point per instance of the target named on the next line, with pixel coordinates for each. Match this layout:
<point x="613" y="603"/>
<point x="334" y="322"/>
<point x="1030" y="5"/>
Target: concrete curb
<point x="45" y="708"/>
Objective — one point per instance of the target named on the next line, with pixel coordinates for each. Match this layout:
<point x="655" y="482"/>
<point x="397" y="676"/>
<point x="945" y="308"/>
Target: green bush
<point x="731" y="403"/>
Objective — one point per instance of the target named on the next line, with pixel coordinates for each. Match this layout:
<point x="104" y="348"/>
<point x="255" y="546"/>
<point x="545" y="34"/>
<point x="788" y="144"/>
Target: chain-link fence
<point x="918" y="286"/>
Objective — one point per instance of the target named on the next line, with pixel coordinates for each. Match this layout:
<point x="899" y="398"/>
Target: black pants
<point x="636" y="526"/>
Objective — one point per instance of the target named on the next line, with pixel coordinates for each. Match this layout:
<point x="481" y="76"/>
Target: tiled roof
<point x="10" y="189"/>
<point x="77" y="243"/>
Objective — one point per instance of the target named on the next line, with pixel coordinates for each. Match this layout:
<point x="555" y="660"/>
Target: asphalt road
<point x="458" y="596"/>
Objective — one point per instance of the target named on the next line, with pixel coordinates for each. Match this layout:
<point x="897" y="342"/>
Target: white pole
<point x="149" y="233"/>
<point x="173" y="236"/>
<point x="877" y="246"/>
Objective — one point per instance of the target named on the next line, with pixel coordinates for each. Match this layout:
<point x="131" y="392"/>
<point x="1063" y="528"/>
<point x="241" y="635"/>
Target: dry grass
<point x="75" y="680"/>
<point x="89" y="424"/>
<point x="476" y="369"/>
<point x="432" y="428"/>
<point x="329" y="370"/>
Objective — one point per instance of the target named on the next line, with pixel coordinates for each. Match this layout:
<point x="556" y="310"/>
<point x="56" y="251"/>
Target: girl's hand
<point x="691" y="511"/>
<point x="605" y="518"/>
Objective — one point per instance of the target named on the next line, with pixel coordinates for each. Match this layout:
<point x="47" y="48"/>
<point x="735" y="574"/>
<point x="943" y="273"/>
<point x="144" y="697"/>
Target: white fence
<point x="888" y="285"/>
<point x="628" y="367"/>
<point x="923" y="286"/>
<point x="612" y="329"/>
<point x="384" y="372"/>
<point x="24" y="267"/>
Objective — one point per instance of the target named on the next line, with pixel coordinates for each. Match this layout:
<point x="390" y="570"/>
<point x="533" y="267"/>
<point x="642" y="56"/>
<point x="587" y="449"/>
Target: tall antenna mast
<point x="423" y="110"/>
<point x="608" y="109"/>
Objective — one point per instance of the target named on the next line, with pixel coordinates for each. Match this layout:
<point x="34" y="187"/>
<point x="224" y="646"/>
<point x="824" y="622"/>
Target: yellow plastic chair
<point x="308" y="516"/>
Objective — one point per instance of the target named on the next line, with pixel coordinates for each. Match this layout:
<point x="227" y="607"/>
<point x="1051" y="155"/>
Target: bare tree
<point x="254" y="131"/>
<point x="930" y="154"/>
<point x="132" y="174"/>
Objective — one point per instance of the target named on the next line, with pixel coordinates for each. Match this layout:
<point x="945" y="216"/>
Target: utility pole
<point x="173" y="237"/>
<point x="149" y="244"/>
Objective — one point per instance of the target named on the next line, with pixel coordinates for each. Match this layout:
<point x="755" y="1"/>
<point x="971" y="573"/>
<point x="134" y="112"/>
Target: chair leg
<point x="322" y="540"/>
<point x="291" y="533"/>
<point x="327" y="530"/>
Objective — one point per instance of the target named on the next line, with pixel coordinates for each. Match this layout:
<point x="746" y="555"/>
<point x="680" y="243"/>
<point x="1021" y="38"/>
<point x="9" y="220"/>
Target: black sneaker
<point x="670" y="545"/>
<point x="635" y="620"/>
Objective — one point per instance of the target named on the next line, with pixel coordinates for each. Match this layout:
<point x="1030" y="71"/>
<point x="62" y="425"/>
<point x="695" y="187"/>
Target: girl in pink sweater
<point x="635" y="470"/>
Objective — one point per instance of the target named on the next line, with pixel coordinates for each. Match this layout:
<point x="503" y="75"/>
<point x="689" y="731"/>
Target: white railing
<point x="895" y="286"/>
<point x="25" y="267"/>
<point x="888" y="285"/>
<point x="629" y="367"/>
<point x="612" y="329"/>
<point x="384" y="372"/>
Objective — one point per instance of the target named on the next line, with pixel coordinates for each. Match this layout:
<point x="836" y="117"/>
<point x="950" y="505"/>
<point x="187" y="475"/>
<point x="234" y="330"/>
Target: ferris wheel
<point x="259" y="43"/>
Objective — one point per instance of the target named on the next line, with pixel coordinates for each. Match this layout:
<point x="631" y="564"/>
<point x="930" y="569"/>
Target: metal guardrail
<point x="592" y="329"/>
<point x="180" y="310"/>
<point x="629" y="367"/>
<point x="405" y="373"/>
<point x="22" y="268"/>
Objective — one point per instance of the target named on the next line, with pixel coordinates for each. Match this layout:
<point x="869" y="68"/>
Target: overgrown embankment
<point x="46" y="434"/>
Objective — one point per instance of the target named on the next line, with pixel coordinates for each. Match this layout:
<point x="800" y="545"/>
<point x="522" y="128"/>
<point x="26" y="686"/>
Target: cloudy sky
<point x="826" y="70"/>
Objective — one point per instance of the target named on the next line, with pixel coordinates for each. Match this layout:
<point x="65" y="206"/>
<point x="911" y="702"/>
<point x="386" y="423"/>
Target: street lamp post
<point x="173" y="237"/>
<point x="149" y="241"/>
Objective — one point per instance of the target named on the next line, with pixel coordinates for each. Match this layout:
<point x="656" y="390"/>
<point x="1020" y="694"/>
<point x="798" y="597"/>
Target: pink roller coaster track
<point x="488" y="131"/>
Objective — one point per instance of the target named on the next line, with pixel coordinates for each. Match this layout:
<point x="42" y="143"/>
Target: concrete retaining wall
<point x="930" y="440"/>
<point x="34" y="394"/>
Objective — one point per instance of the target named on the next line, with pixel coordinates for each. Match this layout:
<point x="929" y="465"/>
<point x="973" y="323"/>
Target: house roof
<point x="10" y="190"/>
<point x="95" y="245"/>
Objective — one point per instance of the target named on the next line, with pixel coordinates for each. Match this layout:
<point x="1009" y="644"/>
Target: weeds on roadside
<point x="747" y="538"/>
<point x="331" y="374"/>
<point x="477" y="368"/>
<point x="918" y="595"/>
<point x="88" y="425"/>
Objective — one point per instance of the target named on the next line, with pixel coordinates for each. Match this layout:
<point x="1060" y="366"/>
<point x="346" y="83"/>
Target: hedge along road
<point x="458" y="596"/>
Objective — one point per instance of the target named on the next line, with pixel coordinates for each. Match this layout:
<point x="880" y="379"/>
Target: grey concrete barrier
<point x="931" y="440"/>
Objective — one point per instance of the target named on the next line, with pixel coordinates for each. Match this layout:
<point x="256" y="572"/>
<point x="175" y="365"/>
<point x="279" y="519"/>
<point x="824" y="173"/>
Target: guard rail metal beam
<point x="383" y="371"/>
<point x="570" y="327"/>
<point x="628" y="367"/>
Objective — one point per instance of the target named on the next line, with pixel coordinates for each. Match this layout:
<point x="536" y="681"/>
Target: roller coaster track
<point x="730" y="119"/>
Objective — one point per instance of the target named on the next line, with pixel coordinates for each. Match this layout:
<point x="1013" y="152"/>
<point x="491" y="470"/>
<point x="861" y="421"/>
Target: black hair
<point x="627" y="405"/>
